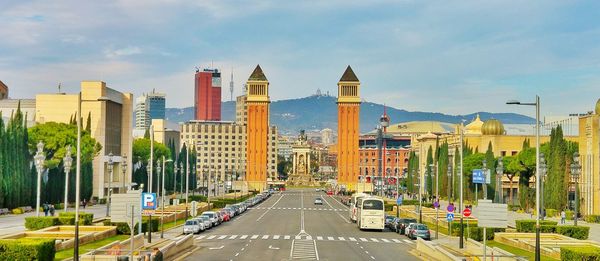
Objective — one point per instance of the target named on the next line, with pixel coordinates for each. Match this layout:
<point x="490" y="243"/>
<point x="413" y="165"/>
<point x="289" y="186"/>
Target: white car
<point x="214" y="217"/>
<point x="192" y="227"/>
<point x="318" y="201"/>
<point x="205" y="220"/>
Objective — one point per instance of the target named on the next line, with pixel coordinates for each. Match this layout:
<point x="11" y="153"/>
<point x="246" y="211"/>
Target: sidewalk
<point x="16" y="223"/>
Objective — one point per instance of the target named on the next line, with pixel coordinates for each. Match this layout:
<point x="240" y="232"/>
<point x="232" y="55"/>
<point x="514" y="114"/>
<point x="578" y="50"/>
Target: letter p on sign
<point x="148" y="200"/>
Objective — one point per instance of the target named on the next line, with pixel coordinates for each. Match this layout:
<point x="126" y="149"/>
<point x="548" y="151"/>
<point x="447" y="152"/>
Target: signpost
<point x="125" y="208"/>
<point x="491" y="215"/>
<point x="398" y="203"/>
<point x="478" y="178"/>
<point x="149" y="203"/>
<point x="450" y="216"/>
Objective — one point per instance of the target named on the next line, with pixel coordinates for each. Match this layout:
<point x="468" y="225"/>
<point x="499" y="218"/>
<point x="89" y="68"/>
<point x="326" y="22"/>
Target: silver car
<point x="206" y="220"/>
<point x="191" y="227"/>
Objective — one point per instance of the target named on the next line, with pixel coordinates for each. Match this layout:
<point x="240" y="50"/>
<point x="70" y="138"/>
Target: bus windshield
<point x="372" y="205"/>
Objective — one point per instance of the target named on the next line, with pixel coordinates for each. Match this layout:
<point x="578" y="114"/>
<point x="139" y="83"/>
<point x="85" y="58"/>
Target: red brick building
<point x="396" y="153"/>
<point x="207" y="95"/>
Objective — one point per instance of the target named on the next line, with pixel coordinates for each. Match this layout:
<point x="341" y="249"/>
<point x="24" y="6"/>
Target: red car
<point x="225" y="215"/>
<point x="329" y="192"/>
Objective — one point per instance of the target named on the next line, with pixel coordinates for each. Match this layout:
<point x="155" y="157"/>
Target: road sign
<point x="491" y="214"/>
<point x="120" y="206"/>
<point x="399" y="200"/>
<point x="449" y="216"/>
<point x="436" y="204"/>
<point x="478" y="176"/>
<point x="450" y="208"/>
<point x="467" y="212"/>
<point x="149" y="201"/>
<point x="488" y="174"/>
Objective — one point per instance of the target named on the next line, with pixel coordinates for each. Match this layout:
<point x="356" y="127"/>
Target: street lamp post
<point x="537" y="171"/>
<point x="460" y="180"/>
<point x="124" y="170"/>
<point x="187" y="180"/>
<point x="40" y="160"/>
<point x="499" y="173"/>
<point x="110" y="177"/>
<point x="175" y="170"/>
<point x="575" y="172"/>
<point x="484" y="186"/>
<point x="543" y="170"/>
<point x="437" y="198"/>
<point x="181" y="179"/>
<point x="449" y="182"/>
<point x="420" y="198"/>
<point x="163" y="193"/>
<point x="67" y="163"/>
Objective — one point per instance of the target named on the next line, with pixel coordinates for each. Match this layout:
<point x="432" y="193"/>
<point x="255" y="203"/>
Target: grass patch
<point x="68" y="253"/>
<point x="518" y="251"/>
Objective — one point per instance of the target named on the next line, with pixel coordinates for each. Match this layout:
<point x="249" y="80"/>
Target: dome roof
<point x="474" y="127"/>
<point x="598" y="107"/>
<point x="492" y="127"/>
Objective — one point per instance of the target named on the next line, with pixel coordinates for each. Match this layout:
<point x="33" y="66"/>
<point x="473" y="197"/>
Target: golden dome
<point x="474" y="127"/>
<point x="598" y="107"/>
<point x="492" y="127"/>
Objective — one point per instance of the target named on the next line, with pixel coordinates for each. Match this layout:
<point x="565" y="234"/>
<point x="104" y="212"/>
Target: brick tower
<point x="348" y="129"/>
<point x="257" y="130"/>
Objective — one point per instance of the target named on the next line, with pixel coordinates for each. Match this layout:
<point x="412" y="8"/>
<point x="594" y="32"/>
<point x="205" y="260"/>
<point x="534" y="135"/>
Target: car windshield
<point x="317" y="198"/>
<point x="372" y="205"/>
<point x="408" y="221"/>
<point x="204" y="217"/>
<point x="190" y="223"/>
<point x="422" y="227"/>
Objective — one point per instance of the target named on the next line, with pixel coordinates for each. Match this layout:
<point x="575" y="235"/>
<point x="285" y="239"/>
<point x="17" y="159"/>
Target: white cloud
<point x="126" y="51"/>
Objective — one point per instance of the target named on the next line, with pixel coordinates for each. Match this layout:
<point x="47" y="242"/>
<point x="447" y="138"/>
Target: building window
<point x="503" y="153"/>
<point x="514" y="153"/>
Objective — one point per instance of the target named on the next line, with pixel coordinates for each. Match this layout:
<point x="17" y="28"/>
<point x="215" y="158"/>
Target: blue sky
<point x="454" y="57"/>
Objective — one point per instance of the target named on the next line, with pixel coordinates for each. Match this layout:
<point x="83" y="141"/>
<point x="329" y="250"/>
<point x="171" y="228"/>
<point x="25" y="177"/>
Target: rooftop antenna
<point x="59" y="87"/>
<point x="231" y="84"/>
<point x="197" y="69"/>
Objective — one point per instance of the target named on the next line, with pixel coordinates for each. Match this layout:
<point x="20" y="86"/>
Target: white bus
<point x="353" y="206"/>
<point x="371" y="213"/>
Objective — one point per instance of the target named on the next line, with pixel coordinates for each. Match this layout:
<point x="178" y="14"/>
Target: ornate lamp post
<point x="499" y="173"/>
<point x="158" y="170"/>
<point x="67" y="163"/>
<point x="485" y="175"/>
<point x="575" y="172"/>
<point x="181" y="178"/>
<point x="110" y="180"/>
<point x="40" y="160"/>
<point x="449" y="183"/>
<point x="543" y="172"/>
<point x="148" y="167"/>
<point x="175" y="169"/>
<point x="124" y="170"/>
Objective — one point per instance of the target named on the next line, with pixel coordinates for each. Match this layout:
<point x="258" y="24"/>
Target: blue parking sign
<point x="399" y="200"/>
<point x="149" y="201"/>
<point x="478" y="176"/>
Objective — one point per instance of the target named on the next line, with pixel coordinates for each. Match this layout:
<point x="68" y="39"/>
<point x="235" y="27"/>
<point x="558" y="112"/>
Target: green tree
<point x="141" y="158"/>
<point x="491" y="165"/>
<point x="428" y="171"/>
<point x="283" y="167"/>
<point x="470" y="163"/>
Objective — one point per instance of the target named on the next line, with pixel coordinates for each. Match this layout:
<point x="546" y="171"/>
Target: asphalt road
<point x="289" y="226"/>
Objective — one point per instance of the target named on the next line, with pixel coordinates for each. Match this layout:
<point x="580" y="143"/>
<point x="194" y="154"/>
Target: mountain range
<point x="317" y="112"/>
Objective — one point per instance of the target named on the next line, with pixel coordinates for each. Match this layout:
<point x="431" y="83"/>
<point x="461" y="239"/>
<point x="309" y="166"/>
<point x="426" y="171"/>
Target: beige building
<point x="9" y="106"/>
<point x="166" y="131"/>
<point x="589" y="150"/>
<point x="111" y="123"/>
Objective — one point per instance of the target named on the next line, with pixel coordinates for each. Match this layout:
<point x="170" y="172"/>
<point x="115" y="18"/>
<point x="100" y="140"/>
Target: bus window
<point x="372" y="205"/>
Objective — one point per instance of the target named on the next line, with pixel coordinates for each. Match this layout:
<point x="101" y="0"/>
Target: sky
<point x="454" y="57"/>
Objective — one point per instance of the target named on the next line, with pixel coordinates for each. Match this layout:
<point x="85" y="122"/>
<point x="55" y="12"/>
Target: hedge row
<point x="528" y="225"/>
<point x="85" y="219"/>
<point x="27" y="249"/>
<point x="580" y="253"/>
<point x="476" y="233"/>
<point x="123" y="228"/>
<point x="547" y="226"/>
<point x="35" y="223"/>
<point x="577" y="232"/>
<point x="592" y="218"/>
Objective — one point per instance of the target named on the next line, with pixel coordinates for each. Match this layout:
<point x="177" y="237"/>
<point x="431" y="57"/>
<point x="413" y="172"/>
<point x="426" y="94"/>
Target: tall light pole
<point x="187" y="179"/>
<point x="158" y="171"/>
<point x="175" y="170"/>
<point x="124" y="170"/>
<point x="484" y="186"/>
<point x="575" y="171"/>
<point x="499" y="173"/>
<point x="449" y="182"/>
<point x="163" y="193"/>
<point x="110" y="179"/>
<point x="40" y="160"/>
<point x="537" y="169"/>
<point x="543" y="170"/>
<point x="437" y="198"/>
<point x="151" y="163"/>
<point x="180" y="179"/>
<point x="420" y="197"/>
<point x="67" y="163"/>
<point x="461" y="243"/>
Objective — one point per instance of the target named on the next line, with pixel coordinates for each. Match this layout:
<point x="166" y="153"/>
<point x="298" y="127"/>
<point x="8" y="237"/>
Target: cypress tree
<point x="2" y="161"/>
<point x="491" y="165"/>
<point x="429" y="185"/>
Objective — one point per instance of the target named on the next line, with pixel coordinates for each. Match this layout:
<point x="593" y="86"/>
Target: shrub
<point x="547" y="229"/>
<point x="528" y="225"/>
<point x="198" y="198"/>
<point x="85" y="219"/>
<point x="570" y="214"/>
<point x="389" y="207"/>
<point x="551" y="212"/>
<point x="59" y="206"/>
<point x="592" y="218"/>
<point x="514" y="207"/>
<point x="588" y="253"/>
<point x="102" y="201"/>
<point x="67" y="221"/>
<point x="477" y="233"/>
<point x="17" y="211"/>
<point x="410" y="202"/>
<point x="577" y="232"/>
<point x="456" y="227"/>
<point x="123" y="228"/>
<point x="35" y="223"/>
<point x="27" y="249"/>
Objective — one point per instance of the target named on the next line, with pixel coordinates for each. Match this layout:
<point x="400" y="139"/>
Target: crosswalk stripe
<point x="363" y="239"/>
<point x="352" y="239"/>
<point x="319" y="238"/>
<point x="233" y="237"/>
<point x="265" y="237"/>
<point x="244" y="237"/>
<point x="408" y="241"/>
<point x="374" y="240"/>
<point x="396" y="240"/>
<point x="222" y="237"/>
<point x="276" y="237"/>
<point x="200" y="237"/>
<point x="254" y="237"/>
<point x="297" y="237"/>
<point x="385" y="240"/>
<point x="342" y="238"/>
<point x="330" y="238"/>
<point x="286" y="237"/>
<point x="211" y="237"/>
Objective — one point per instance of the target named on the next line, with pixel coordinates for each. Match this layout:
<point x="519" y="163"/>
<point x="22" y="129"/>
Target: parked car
<point x="191" y="227"/>
<point x="403" y="223"/>
<point x="318" y="201"/>
<point x="231" y="212"/>
<point x="214" y="217"/>
<point x="225" y="214"/>
<point x="388" y="221"/>
<point x="207" y="223"/>
<point x="408" y="228"/>
<point x="419" y="230"/>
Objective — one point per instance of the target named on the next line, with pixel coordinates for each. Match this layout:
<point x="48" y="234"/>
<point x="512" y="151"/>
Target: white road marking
<point x="200" y="237"/>
<point x="396" y="240"/>
<point x="363" y="239"/>
<point x="237" y="254"/>
<point x="372" y="257"/>
<point x="374" y="240"/>
<point x="274" y="248"/>
<point x="261" y="216"/>
<point x="319" y="238"/>
<point x="216" y="248"/>
<point x="352" y="239"/>
<point x="265" y="237"/>
<point x="286" y="237"/>
<point x="341" y="238"/>
<point x="254" y="237"/>
<point x="408" y="241"/>
<point x="243" y="237"/>
<point x="211" y="237"/>
<point x="385" y="240"/>
<point x="347" y="221"/>
<point x="330" y="238"/>
<point x="222" y="237"/>
<point x="232" y="237"/>
<point x="276" y="237"/>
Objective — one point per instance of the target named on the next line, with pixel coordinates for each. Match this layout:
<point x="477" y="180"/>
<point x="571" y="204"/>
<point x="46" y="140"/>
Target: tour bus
<point x="370" y="213"/>
<point x="353" y="205"/>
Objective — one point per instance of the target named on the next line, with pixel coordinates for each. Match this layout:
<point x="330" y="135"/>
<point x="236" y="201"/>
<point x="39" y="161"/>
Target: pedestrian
<point x="563" y="217"/>
<point x="158" y="255"/>
<point x="45" y="208"/>
<point x="84" y="203"/>
<point x="52" y="210"/>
